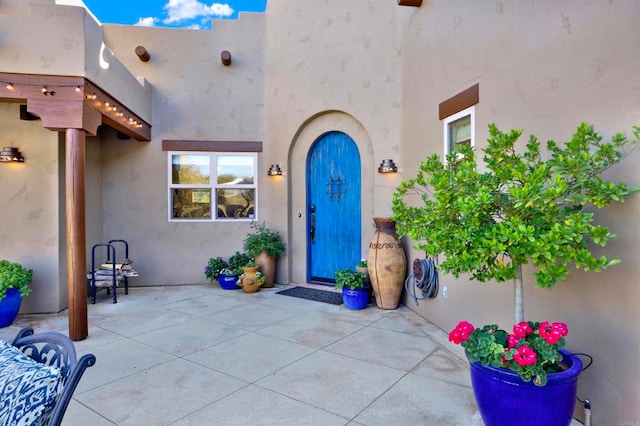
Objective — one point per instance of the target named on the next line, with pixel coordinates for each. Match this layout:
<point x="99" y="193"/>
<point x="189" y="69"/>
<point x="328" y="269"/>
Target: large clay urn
<point x="250" y="282"/>
<point x="267" y="267"/>
<point x="387" y="264"/>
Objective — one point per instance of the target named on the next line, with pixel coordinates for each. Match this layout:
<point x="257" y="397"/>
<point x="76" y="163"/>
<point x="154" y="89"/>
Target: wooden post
<point x="76" y="234"/>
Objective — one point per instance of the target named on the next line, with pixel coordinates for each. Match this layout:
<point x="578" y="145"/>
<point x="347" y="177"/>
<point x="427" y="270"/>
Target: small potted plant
<point x="251" y="279"/>
<point x="214" y="266"/>
<point x="363" y="269"/>
<point x="237" y="261"/>
<point x="356" y="292"/>
<point x="489" y="222"/>
<point x="264" y="245"/>
<point x="14" y="284"/>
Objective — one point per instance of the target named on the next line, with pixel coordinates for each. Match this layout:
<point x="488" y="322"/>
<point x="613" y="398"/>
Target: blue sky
<point x="171" y="13"/>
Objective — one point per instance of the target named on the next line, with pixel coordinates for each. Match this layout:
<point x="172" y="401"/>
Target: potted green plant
<point x="237" y="261"/>
<point x="15" y="282"/>
<point x="488" y="222"/>
<point x="251" y="279"/>
<point x="264" y="245"/>
<point x="361" y="267"/>
<point x="356" y="292"/>
<point x="214" y="266"/>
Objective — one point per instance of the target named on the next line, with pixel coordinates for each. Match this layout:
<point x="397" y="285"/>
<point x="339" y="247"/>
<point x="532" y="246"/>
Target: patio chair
<point x="57" y="350"/>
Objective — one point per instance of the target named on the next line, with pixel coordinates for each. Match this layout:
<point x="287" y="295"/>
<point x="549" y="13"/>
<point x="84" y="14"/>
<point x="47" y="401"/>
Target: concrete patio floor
<point x="200" y="355"/>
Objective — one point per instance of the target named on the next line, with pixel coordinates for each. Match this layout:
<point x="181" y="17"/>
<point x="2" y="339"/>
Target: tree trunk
<point x="518" y="293"/>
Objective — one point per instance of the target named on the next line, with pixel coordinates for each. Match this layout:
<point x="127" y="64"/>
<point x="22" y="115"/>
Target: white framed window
<point x="459" y="129"/>
<point x="212" y="186"/>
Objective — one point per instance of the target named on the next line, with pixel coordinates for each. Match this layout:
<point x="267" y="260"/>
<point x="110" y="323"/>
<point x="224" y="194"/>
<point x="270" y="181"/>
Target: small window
<point x="212" y="186"/>
<point x="459" y="129"/>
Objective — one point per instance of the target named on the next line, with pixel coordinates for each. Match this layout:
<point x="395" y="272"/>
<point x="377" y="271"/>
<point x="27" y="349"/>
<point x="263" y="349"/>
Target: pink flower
<point x="461" y="332"/>
<point x="522" y="329"/>
<point x="554" y="332"/>
<point x="512" y="340"/>
<point x="525" y="356"/>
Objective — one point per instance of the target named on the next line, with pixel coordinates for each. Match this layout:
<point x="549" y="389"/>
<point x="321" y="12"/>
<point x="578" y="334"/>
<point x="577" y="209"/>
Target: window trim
<point x="212" y="185"/>
<point x="471" y="111"/>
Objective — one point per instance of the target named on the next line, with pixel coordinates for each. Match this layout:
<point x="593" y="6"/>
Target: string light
<point x="77" y="89"/>
<point x="9" y="86"/>
<point x="44" y="89"/>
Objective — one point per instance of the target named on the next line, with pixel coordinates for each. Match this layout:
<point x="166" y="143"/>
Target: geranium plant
<point x="531" y="350"/>
<point x="518" y="209"/>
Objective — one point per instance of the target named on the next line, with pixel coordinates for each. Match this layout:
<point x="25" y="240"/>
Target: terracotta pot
<point x="387" y="264"/>
<point x="267" y="267"/>
<point x="250" y="282"/>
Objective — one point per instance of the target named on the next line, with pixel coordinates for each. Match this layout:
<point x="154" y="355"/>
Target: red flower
<point x="504" y="360"/>
<point x="525" y="356"/>
<point x="522" y="329"/>
<point x="461" y="332"/>
<point x="554" y="332"/>
<point x="512" y="340"/>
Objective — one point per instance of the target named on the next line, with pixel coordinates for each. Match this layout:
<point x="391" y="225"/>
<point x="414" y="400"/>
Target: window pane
<point x="190" y="169"/>
<point x="236" y="203"/>
<point x="460" y="132"/>
<point x="191" y="203"/>
<point x="235" y="169"/>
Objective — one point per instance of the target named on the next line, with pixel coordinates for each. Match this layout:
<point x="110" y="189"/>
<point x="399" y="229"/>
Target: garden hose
<point x="424" y="277"/>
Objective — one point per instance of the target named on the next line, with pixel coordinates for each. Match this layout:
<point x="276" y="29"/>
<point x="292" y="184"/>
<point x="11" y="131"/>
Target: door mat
<point x="323" y="296"/>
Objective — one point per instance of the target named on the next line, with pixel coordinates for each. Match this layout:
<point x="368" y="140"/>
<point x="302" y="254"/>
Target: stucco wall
<point x="29" y="214"/>
<point x="543" y="67"/>
<point x="195" y="97"/>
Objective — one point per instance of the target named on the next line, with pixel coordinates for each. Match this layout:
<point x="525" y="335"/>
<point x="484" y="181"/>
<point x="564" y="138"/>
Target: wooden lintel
<point x="211" y="146"/>
<point x="57" y="115"/>
<point x="414" y="3"/>
<point x="459" y="102"/>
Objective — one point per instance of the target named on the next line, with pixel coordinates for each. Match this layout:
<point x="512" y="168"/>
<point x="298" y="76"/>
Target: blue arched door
<point x="333" y="206"/>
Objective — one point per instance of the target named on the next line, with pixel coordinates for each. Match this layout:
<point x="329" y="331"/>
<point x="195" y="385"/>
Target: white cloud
<point x="147" y="22"/>
<point x="182" y="10"/>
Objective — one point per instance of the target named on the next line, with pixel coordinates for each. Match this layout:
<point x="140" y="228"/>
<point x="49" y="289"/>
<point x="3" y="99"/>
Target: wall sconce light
<point x="274" y="170"/>
<point x="11" y="154"/>
<point x="387" y="166"/>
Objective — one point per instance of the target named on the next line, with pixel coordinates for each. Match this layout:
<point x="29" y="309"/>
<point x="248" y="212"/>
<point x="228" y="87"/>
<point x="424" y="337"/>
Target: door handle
<point x="312" y="227"/>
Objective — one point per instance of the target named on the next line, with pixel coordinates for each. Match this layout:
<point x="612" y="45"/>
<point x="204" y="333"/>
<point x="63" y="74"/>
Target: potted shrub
<point x="237" y="261"/>
<point x="214" y="266"/>
<point x="14" y="284"/>
<point x="518" y="209"/>
<point x="363" y="269"/>
<point x="264" y="245"/>
<point x="356" y="292"/>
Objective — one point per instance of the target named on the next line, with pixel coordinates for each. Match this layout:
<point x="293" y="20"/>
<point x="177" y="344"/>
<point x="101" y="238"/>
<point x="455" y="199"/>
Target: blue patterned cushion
<point x="28" y="389"/>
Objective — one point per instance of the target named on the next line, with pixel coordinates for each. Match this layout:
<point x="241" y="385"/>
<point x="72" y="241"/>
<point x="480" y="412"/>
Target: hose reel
<point x="424" y="276"/>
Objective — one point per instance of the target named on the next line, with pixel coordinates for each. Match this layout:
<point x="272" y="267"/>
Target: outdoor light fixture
<point x="9" y="154"/>
<point x="387" y="166"/>
<point x="274" y="170"/>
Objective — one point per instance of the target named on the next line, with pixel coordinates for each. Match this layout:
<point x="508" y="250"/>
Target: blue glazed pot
<point x="357" y="298"/>
<point x="228" y="282"/>
<point x="504" y="399"/>
<point x="9" y="307"/>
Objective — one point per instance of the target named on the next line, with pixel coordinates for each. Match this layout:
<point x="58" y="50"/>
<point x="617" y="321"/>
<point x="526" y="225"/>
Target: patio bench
<point x="38" y="375"/>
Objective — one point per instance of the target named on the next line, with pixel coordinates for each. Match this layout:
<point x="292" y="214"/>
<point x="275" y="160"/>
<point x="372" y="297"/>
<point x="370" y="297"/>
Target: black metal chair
<point x="55" y="349"/>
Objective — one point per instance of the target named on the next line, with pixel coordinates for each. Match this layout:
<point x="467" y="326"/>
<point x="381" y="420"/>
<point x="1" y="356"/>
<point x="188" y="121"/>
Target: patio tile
<point x="151" y="397"/>
<point x="138" y="322"/>
<point x="419" y="400"/>
<point x="251" y="356"/>
<point x="443" y="366"/>
<point x="311" y="330"/>
<point x="117" y="360"/>
<point x="403" y="322"/>
<point x="206" y="305"/>
<point x="260" y="407"/>
<point x="384" y="347"/>
<point x="189" y="336"/>
<point x="366" y="316"/>
<point x="252" y="316"/>
<point x="78" y="414"/>
<point x="332" y="382"/>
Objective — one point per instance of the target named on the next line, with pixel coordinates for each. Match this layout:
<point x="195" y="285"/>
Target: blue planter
<point x="357" y="298"/>
<point x="9" y="307"/>
<point x="228" y="282"/>
<point x="504" y="399"/>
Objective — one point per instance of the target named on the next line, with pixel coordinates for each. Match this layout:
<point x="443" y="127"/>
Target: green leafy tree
<point x="518" y="209"/>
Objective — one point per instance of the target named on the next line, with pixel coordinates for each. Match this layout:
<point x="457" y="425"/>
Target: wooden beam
<point x="211" y="146"/>
<point x="414" y="3"/>
<point x="76" y="234"/>
<point x="459" y="102"/>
